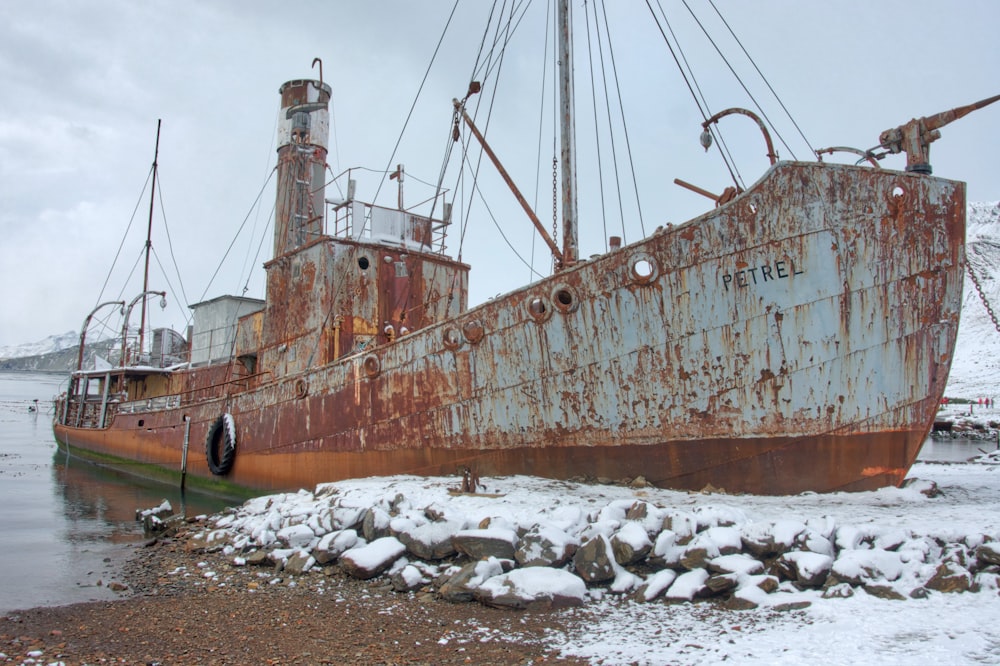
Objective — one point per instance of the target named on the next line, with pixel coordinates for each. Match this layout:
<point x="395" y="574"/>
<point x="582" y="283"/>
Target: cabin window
<point x="363" y="263"/>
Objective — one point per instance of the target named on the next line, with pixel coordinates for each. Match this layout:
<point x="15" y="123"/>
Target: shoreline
<point x="171" y="613"/>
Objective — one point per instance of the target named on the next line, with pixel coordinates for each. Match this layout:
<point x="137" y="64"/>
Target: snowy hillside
<point x="975" y="369"/>
<point x="53" y="343"/>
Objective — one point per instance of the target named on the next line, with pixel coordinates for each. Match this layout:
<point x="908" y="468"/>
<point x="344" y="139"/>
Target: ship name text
<point x="777" y="270"/>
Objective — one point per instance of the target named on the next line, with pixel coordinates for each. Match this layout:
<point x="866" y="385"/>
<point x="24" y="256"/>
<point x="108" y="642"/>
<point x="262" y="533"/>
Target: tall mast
<point x="149" y="242"/>
<point x="568" y="133"/>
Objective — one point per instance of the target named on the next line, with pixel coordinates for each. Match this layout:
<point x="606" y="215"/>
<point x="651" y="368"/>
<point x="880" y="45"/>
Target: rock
<point x="988" y="553"/>
<point x="920" y="593"/>
<point x="687" y="586"/>
<point x="297" y="536"/>
<point x="985" y="581"/>
<point x="667" y="552"/>
<point x="348" y="517"/>
<point x="545" y="547"/>
<point x="720" y="583"/>
<point x="375" y="524"/>
<point x="432" y="541"/>
<point x="532" y="588"/>
<point x="858" y="567"/>
<point x="208" y="542"/>
<point x="767" y="584"/>
<point x="928" y="488"/>
<point x="839" y="591"/>
<point x="805" y="568"/>
<point x="460" y="586"/>
<point x="370" y="560"/>
<point x="737" y="563"/>
<point x="883" y="592"/>
<point x="739" y="603"/>
<point x="115" y="586"/>
<point x="333" y="545"/>
<point x="655" y="585"/>
<point x="950" y="577"/>
<point x="495" y="542"/>
<point x="758" y="539"/>
<point x="258" y="558"/>
<point x="299" y="562"/>
<point x="792" y="606"/>
<point x="594" y="561"/>
<point x="408" y="579"/>
<point x="630" y="544"/>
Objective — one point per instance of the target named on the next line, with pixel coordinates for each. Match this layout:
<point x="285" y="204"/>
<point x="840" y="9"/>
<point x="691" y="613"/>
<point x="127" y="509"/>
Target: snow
<point x="893" y="537"/>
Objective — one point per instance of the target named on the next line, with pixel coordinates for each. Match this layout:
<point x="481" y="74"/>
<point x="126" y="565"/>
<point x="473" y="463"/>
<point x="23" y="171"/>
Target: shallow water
<point x="63" y="522"/>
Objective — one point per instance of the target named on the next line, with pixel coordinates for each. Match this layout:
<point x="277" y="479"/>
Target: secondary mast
<point x="568" y="134"/>
<point x="149" y="242"/>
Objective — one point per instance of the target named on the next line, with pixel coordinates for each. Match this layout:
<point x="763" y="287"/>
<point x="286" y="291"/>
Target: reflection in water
<point x="64" y="521"/>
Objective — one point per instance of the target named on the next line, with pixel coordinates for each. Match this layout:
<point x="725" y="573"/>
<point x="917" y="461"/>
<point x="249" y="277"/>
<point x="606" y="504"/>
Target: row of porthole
<point x="643" y="271"/>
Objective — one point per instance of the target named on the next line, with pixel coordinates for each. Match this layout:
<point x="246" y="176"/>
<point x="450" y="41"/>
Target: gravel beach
<point x="171" y="613"/>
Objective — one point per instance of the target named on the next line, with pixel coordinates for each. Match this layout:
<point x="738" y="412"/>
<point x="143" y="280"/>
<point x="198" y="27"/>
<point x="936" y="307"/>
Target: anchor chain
<point x="982" y="296"/>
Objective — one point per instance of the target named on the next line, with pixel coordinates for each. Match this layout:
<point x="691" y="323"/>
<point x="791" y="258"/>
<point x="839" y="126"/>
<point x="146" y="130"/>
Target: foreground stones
<point x="628" y="547"/>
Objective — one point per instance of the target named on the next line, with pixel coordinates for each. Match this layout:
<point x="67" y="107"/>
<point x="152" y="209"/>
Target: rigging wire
<point x="739" y="80"/>
<point x="621" y="110"/>
<point x="541" y="125"/>
<point x="597" y="124"/>
<point x="764" y="79"/>
<point x="416" y="97"/>
<point x="723" y="149"/>
<point x="170" y="247"/>
<point x="238" y="232"/>
<point x="124" y="237"/>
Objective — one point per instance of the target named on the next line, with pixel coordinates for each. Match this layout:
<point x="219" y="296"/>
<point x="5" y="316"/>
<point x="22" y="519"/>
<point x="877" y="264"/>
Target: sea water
<point x="64" y="523"/>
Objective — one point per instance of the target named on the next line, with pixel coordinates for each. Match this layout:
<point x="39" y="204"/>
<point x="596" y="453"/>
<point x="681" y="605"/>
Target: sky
<point x="85" y="83"/>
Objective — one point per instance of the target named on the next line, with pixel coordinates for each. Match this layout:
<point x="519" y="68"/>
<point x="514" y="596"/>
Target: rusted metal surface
<point x="797" y="338"/>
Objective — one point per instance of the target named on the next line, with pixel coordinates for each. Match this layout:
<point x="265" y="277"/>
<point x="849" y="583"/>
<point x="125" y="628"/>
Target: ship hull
<point x="798" y="338"/>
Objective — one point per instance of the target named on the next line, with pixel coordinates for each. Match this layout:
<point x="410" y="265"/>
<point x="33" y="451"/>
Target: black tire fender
<point x="220" y="445"/>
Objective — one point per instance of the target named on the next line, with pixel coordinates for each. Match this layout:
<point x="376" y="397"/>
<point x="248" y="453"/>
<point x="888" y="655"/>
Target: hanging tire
<point x="220" y="445"/>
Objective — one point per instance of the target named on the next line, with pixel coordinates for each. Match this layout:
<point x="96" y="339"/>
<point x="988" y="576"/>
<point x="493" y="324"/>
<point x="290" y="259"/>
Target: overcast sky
<point x="84" y="84"/>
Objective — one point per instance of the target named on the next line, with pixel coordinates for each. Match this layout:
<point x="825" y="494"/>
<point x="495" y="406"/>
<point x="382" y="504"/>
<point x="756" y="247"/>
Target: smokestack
<point x="303" y="136"/>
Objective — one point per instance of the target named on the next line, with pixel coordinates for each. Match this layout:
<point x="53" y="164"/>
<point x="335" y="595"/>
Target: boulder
<point x="594" y="561"/>
<point x="631" y="544"/>
<point x="532" y="588"/>
<point x="408" y="579"/>
<point x="299" y="563"/>
<point x="950" y="577"/>
<point x="737" y="563"/>
<point x="460" y="586"/>
<point x="655" y="585"/>
<point x="858" y="567"/>
<point x="688" y="585"/>
<point x="491" y="542"/>
<point x="988" y="553"/>
<point x="432" y="541"/>
<point x="805" y="568"/>
<point x="297" y="536"/>
<point x="545" y="547"/>
<point x="334" y="544"/>
<point x="372" y="559"/>
<point x="720" y="583"/>
<point x="375" y="524"/>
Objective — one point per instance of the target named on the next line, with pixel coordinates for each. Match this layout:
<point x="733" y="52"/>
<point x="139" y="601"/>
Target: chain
<point x="555" y="198"/>
<point x="982" y="296"/>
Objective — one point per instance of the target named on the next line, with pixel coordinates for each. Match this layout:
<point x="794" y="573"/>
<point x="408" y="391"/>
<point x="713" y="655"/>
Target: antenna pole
<point x="149" y="242"/>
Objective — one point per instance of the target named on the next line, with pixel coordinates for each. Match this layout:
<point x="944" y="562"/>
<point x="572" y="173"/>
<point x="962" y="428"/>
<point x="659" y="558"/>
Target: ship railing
<point x="367" y="222"/>
<point x="150" y="404"/>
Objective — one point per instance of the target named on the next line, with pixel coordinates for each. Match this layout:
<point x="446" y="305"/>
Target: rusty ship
<point x="795" y="337"/>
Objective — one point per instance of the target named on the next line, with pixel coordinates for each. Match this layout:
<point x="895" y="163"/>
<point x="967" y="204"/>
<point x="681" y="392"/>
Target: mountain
<point x="975" y="369"/>
<point x="53" y="343"/>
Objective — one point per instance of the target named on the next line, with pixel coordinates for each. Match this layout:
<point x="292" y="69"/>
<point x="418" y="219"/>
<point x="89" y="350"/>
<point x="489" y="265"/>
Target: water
<point x="64" y="523"/>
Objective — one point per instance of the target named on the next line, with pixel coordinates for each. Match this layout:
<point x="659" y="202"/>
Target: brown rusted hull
<point x="797" y="338"/>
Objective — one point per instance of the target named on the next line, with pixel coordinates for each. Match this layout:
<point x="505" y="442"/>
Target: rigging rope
<point x="124" y="237"/>
<point x="764" y="79"/>
<point x="739" y="80"/>
<point x="979" y="290"/>
<point x="597" y="137"/>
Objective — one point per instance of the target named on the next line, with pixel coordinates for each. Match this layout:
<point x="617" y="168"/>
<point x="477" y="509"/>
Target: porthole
<point x="643" y="269"/>
<point x="363" y="263"/>
<point x="898" y="191"/>
<point x="538" y="308"/>
<point x="451" y="338"/>
<point x="565" y="299"/>
<point x="372" y="365"/>
<point x="473" y="331"/>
